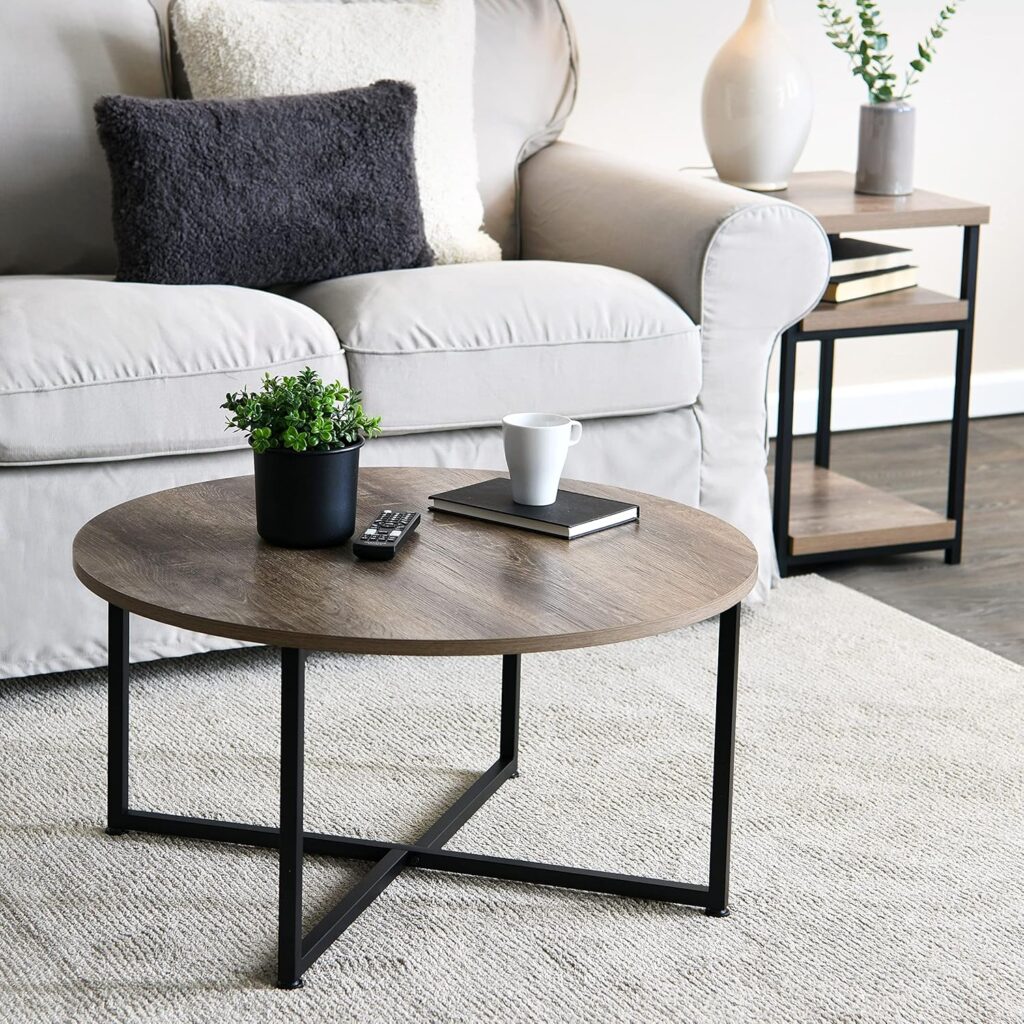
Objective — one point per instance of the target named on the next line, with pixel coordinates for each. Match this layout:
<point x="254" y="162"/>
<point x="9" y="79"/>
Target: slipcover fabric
<point x="93" y="369"/>
<point x="264" y="191"/>
<point x="51" y="623"/>
<point x="745" y="267"/>
<point x="57" y="57"/>
<point x="462" y="346"/>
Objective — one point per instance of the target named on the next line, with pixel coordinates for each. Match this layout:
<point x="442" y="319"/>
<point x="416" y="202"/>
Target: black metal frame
<point x="298" y="952"/>
<point x="953" y="548"/>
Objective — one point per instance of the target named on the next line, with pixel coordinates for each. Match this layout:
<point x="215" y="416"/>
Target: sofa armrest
<point x="744" y="266"/>
<point x="698" y="240"/>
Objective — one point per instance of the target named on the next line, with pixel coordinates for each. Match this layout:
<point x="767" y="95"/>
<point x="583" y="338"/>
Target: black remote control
<point x="380" y="540"/>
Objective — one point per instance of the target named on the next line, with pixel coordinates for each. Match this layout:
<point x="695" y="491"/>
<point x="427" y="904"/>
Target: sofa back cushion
<point x="56" y="58"/>
<point x="526" y="77"/>
<point x="525" y="84"/>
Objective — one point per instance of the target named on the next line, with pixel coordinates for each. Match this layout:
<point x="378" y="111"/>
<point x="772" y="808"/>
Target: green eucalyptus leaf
<point x="867" y="50"/>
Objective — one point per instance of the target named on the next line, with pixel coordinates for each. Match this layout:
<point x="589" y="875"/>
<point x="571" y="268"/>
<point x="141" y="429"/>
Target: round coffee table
<point x="191" y="557"/>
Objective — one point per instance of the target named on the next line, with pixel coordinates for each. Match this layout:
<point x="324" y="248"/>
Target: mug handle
<point x="575" y="432"/>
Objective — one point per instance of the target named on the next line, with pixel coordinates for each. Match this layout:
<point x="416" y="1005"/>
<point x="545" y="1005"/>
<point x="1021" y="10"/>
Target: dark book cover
<point x="858" y="255"/>
<point x="571" y="510"/>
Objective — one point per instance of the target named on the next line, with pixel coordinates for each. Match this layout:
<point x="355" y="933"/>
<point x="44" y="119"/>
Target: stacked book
<point x="861" y="268"/>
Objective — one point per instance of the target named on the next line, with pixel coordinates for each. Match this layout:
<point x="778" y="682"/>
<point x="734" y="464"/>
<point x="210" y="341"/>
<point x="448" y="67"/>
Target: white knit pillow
<point x="234" y="49"/>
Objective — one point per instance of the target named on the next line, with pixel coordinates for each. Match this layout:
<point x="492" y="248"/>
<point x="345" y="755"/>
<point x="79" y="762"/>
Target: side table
<point x="823" y="516"/>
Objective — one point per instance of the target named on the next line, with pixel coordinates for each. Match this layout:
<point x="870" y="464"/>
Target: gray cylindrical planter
<point x="885" y="154"/>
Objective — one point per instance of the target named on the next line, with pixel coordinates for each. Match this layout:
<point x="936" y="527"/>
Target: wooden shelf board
<point x="907" y="306"/>
<point x="830" y="197"/>
<point x="832" y="512"/>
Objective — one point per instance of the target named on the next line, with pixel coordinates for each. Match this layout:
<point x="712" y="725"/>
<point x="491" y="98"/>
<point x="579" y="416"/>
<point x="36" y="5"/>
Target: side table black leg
<point x="823" y="428"/>
<point x="289" y="934"/>
<point x="725" y="744"/>
<point x="117" y="719"/>
<point x="784" y="448"/>
<point x="511" y="670"/>
<point x="962" y="396"/>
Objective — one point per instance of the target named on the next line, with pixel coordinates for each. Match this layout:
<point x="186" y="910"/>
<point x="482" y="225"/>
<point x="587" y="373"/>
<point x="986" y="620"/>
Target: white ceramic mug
<point x="536" y="446"/>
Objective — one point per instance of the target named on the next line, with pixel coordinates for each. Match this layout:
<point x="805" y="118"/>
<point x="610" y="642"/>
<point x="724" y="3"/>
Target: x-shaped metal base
<point x="298" y="952"/>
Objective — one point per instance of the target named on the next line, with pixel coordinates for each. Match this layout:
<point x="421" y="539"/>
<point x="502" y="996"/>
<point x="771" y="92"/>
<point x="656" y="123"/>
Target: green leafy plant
<point x="303" y="414"/>
<point x="865" y="41"/>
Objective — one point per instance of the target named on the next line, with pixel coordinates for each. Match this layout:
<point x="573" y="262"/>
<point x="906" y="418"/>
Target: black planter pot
<point x="306" y="499"/>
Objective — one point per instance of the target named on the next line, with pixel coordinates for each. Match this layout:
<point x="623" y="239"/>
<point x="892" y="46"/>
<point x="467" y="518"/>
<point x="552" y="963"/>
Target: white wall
<point x="643" y="63"/>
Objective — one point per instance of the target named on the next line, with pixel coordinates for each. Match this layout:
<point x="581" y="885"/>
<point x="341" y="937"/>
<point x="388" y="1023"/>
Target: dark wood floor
<point x="982" y="599"/>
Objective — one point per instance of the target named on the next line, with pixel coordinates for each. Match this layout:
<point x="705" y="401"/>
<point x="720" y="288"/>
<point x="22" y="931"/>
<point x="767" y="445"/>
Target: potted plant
<point x="885" y="152"/>
<point x="305" y="435"/>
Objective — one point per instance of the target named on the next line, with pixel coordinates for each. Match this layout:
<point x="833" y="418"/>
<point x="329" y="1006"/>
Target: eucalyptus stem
<point x="865" y="42"/>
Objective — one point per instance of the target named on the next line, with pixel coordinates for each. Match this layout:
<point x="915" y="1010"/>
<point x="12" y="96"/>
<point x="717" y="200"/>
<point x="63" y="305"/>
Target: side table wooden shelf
<point x="823" y="516"/>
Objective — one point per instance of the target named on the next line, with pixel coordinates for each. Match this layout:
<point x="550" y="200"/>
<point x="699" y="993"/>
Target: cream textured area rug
<point x="878" y="856"/>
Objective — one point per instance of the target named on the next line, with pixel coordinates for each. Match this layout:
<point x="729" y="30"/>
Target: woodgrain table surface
<point x="191" y="557"/>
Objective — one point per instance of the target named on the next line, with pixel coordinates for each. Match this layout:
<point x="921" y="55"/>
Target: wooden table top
<point x="191" y="557"/>
<point x="830" y="197"/>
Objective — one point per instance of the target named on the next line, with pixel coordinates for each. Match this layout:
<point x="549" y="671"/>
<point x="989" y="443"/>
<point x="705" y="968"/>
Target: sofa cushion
<point x="234" y="49"/>
<point x="463" y="345"/>
<point x="524" y="90"/>
<point x="264" y="191"/>
<point x="524" y="86"/>
<point x="56" y="58"/>
<point x="91" y="369"/>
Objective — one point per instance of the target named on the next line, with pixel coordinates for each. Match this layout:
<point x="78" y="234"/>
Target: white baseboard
<point x="906" y="401"/>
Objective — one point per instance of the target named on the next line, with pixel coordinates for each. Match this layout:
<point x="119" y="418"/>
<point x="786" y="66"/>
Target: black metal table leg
<point x="117" y="719"/>
<point x="784" y="447"/>
<point x="296" y="952"/>
<point x="962" y="395"/>
<point x="289" y="949"/>
<point x="823" y="427"/>
<point x="511" y="674"/>
<point x="725" y="744"/>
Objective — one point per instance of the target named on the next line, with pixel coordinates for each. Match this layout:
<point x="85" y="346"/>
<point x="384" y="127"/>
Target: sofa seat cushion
<point x="91" y="369"/>
<point x="462" y="345"/>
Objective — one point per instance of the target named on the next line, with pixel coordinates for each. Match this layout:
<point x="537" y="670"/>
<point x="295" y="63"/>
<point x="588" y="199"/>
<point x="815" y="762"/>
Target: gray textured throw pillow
<point x="264" y="191"/>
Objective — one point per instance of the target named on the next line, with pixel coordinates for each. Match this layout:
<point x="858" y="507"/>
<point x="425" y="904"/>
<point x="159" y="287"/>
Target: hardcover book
<point x="860" y="286"/>
<point x="859" y="256"/>
<point x="572" y="514"/>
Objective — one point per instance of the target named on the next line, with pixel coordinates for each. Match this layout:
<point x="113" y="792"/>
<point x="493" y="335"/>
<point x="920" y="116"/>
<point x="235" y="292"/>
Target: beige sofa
<point x="646" y="303"/>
